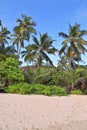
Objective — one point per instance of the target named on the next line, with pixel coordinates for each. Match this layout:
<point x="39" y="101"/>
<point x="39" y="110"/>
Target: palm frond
<point x="82" y="41"/>
<point x="75" y="48"/>
<point x="62" y="50"/>
<point x="64" y="35"/>
<point x="32" y="47"/>
<point x="51" y="50"/>
<point x="46" y="57"/>
<point x="66" y="41"/>
<point x="82" y="33"/>
<point x="82" y="49"/>
<point x="43" y="38"/>
<point x="35" y="40"/>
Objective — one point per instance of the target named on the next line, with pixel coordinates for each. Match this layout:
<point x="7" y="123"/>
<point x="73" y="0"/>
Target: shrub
<point x="10" y="72"/>
<point x="24" y="88"/>
<point x="43" y="79"/>
<point x="20" y="88"/>
<point x="85" y="92"/>
<point x="29" y="76"/>
<point x="43" y="75"/>
<point x="77" y="92"/>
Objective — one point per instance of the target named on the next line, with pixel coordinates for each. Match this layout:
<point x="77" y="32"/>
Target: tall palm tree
<point x="4" y="38"/>
<point x="74" y="44"/>
<point x="23" y="31"/>
<point x="63" y="62"/>
<point x="40" y="49"/>
<point x="18" y="41"/>
<point x="5" y="49"/>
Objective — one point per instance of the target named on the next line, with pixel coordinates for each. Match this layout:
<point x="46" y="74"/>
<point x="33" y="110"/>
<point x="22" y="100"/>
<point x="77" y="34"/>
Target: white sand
<point x="37" y="112"/>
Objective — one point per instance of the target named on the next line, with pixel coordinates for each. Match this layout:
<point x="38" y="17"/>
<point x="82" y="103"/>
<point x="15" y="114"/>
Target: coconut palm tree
<point x="74" y="44"/>
<point x="23" y="31"/>
<point x="40" y="49"/>
<point x="30" y="56"/>
<point x="26" y="26"/>
<point x="4" y="38"/>
<point x="62" y="62"/>
<point x="5" y="49"/>
<point x="18" y="41"/>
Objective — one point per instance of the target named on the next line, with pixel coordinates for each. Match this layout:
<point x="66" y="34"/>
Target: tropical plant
<point x="62" y="62"/>
<point x="40" y="49"/>
<point x="4" y="39"/>
<point x="30" y="56"/>
<point x="26" y="26"/>
<point x="74" y="44"/>
<point x="41" y="75"/>
<point x="10" y="72"/>
<point x="70" y="77"/>
<point x="29" y="75"/>
<point x="23" y="31"/>
<point x="77" y="92"/>
<point x="24" y="88"/>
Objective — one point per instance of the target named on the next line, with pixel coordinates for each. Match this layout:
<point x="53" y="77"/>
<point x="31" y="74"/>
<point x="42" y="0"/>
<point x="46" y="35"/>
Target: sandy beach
<point x="37" y="112"/>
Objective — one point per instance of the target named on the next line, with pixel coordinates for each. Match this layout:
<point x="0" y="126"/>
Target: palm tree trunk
<point x="70" y="61"/>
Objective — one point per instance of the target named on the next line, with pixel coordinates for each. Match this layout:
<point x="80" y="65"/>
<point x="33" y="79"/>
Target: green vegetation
<point x="9" y="72"/>
<point x="41" y="76"/>
<point x="73" y="45"/>
<point x="77" y="92"/>
<point x="24" y="88"/>
<point x="39" y="50"/>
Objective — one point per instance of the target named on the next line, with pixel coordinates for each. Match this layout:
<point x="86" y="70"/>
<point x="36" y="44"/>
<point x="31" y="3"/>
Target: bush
<point x="85" y="92"/>
<point x="77" y="92"/>
<point x="29" y="76"/>
<point x="43" y="75"/>
<point x="20" y="88"/>
<point x="10" y="72"/>
<point x="43" y="79"/>
<point x="24" y="88"/>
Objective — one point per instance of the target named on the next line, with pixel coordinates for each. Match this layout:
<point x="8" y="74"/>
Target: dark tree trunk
<point x="6" y="82"/>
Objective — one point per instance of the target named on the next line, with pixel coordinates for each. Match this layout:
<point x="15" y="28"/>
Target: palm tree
<point x="40" y="49"/>
<point x="30" y="56"/>
<point x="62" y="62"/>
<point x="4" y="38"/>
<point x="18" y="41"/>
<point x="73" y="44"/>
<point x="5" y="49"/>
<point x="70" y="76"/>
<point x="23" y="31"/>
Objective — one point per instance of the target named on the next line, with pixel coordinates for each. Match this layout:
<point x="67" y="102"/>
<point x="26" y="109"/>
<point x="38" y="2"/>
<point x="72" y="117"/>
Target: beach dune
<point x="38" y="112"/>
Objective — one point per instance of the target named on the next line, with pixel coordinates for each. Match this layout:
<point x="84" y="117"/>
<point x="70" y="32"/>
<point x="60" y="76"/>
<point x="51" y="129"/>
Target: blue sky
<point x="51" y="16"/>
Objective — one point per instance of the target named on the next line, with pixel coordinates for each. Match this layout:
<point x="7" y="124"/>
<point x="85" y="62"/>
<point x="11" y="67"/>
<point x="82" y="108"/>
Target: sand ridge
<point x="38" y="112"/>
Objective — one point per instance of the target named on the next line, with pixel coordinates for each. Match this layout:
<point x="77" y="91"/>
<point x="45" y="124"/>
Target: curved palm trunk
<point x="18" y="51"/>
<point x="40" y="58"/>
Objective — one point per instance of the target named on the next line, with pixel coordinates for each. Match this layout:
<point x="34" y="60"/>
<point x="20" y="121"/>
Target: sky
<point x="51" y="16"/>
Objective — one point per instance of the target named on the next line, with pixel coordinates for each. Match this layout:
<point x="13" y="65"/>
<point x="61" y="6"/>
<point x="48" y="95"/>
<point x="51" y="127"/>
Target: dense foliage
<point x="10" y="72"/>
<point x="24" y="88"/>
<point x="42" y="77"/>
